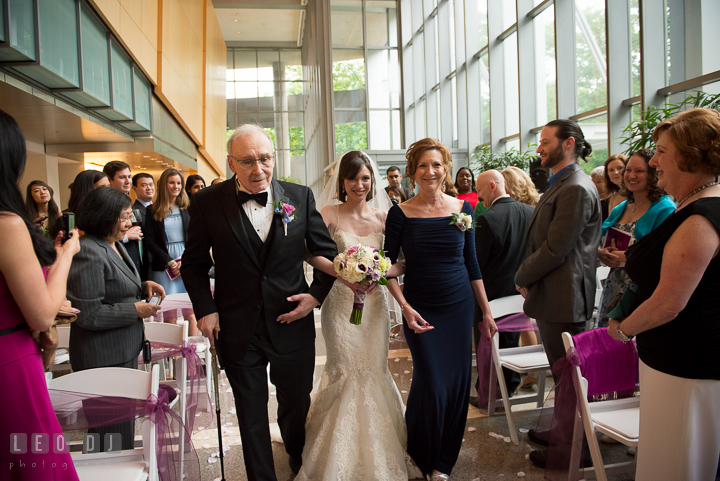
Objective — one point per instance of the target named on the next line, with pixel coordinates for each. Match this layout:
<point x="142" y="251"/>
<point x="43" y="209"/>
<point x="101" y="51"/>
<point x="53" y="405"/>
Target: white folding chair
<point x="132" y="464"/>
<point x="600" y="275"/>
<point x="62" y="357"/>
<point x="523" y="360"/>
<point x="175" y="335"/>
<point x="618" y="418"/>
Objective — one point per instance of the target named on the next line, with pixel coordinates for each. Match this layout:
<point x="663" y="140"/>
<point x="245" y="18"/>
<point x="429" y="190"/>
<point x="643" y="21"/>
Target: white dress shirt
<point x="496" y="199"/>
<point x="260" y="217"/>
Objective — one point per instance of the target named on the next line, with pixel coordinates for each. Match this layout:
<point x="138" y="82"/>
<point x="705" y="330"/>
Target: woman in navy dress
<point x="441" y="277"/>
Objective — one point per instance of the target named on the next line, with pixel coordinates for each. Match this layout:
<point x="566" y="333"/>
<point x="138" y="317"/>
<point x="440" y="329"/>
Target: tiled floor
<point x="483" y="457"/>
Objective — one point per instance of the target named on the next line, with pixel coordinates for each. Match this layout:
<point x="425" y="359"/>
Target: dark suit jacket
<point x="146" y="256"/>
<point x="244" y="287"/>
<point x="107" y="330"/>
<point x="500" y="245"/>
<point x="156" y="237"/>
<point x="562" y="242"/>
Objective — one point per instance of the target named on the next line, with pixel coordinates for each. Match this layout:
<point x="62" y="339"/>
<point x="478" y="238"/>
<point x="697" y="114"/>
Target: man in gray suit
<point x="557" y="279"/>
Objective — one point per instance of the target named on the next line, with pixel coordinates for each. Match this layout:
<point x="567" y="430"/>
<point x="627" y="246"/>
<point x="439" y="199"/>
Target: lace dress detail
<point x="356" y="428"/>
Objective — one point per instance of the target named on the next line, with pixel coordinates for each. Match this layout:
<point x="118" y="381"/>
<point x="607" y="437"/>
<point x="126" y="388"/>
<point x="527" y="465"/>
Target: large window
<point x="366" y="75"/>
<point x="265" y="87"/>
<point x="591" y="68"/>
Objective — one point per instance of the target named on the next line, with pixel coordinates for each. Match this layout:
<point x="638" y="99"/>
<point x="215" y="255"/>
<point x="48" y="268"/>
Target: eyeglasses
<point x="126" y="219"/>
<point x="250" y="163"/>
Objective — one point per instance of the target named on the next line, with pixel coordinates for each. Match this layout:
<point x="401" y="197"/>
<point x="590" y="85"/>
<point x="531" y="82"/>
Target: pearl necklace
<point x="699" y="189"/>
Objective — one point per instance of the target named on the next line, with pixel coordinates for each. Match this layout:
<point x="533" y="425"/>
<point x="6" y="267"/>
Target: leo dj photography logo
<point x="43" y="443"/>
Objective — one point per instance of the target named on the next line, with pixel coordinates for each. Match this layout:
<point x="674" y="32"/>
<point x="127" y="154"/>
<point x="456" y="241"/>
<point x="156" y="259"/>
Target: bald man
<point x="500" y="247"/>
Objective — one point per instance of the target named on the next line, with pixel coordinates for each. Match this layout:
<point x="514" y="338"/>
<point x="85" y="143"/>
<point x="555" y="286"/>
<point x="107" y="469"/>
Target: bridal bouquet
<point x="362" y="264"/>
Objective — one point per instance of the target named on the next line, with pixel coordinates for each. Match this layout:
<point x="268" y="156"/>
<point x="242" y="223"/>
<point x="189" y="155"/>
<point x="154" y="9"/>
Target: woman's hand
<point x="39" y="221"/>
<point x="608" y="257"/>
<point x="145" y="310"/>
<point x="175" y="268"/>
<point x="355" y="287"/>
<point x="617" y="253"/>
<point x="415" y="320"/>
<point x="612" y="329"/>
<point x="150" y="288"/>
<point x="489" y="328"/>
<point x="70" y="247"/>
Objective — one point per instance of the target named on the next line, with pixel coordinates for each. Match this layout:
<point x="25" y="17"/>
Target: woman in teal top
<point x="646" y="207"/>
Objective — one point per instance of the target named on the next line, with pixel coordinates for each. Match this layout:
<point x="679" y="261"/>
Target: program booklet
<point x="620" y="238"/>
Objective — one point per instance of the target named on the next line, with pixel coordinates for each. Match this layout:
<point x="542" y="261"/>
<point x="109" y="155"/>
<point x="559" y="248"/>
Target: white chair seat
<point x="625" y="422"/>
<point x="531" y="361"/>
<point x="61" y="355"/>
<point x="134" y="471"/>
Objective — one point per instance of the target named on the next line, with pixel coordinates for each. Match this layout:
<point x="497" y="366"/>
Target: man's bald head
<point x="490" y="186"/>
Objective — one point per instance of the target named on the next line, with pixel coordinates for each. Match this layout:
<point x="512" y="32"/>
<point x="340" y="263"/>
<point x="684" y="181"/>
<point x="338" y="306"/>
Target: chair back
<point x="118" y="382"/>
<point x="506" y="305"/>
<point x="608" y="365"/>
<point x="167" y="333"/>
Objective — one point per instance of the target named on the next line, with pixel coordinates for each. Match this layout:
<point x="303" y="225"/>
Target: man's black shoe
<point x="295" y="463"/>
<point x="539" y="437"/>
<point x="473" y="401"/>
<point x="539" y="459"/>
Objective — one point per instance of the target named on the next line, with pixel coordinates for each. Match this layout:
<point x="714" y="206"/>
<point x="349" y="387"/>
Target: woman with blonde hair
<point x="166" y="225"/>
<point x="435" y="232"/>
<point x="520" y="186"/>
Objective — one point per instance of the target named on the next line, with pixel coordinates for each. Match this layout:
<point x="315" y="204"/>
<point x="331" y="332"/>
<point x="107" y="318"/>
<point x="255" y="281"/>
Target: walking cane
<point x="216" y="375"/>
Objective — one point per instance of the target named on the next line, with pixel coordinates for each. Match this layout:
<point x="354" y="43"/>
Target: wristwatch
<point x="623" y="337"/>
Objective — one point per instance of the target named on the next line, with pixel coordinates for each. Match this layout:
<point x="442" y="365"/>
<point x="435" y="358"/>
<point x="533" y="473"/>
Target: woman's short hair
<point x="191" y="181"/>
<point x="99" y="213"/>
<point x="351" y="163"/>
<point x="598" y="173"/>
<point x="520" y="186"/>
<point x="695" y="134"/>
<point x="416" y="151"/>
<point x="472" y="176"/>
<point x="610" y="185"/>
<point x="655" y="192"/>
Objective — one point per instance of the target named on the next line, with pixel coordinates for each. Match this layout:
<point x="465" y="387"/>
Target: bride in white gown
<point x="356" y="427"/>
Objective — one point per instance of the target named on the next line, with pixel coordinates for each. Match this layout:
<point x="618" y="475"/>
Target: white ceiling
<point x="272" y="22"/>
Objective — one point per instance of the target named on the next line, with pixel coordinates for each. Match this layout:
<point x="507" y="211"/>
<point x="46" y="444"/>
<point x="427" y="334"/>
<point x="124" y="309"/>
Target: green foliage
<point x="349" y="75"/>
<point x="351" y="136"/>
<point x="596" y="159"/>
<point x="483" y="159"/>
<point x="638" y="134"/>
<point x="294" y="180"/>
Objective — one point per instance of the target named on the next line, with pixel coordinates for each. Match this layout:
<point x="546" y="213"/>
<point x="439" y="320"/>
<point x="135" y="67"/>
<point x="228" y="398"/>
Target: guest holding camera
<point x="28" y="298"/>
<point x="105" y="285"/>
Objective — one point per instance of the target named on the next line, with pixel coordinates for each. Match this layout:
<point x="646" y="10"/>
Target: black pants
<point x="292" y="375"/>
<point x="126" y="429"/>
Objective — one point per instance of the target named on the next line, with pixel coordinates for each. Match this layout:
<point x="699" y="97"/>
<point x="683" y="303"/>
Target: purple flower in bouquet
<point x="376" y="275"/>
<point x="352" y="250"/>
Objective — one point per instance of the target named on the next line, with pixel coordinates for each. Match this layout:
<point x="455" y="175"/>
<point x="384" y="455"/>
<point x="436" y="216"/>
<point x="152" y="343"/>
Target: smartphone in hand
<point x="155" y="300"/>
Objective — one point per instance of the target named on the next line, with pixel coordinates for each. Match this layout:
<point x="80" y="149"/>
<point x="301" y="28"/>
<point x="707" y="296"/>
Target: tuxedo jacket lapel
<point x="277" y="231"/>
<point x="232" y="213"/>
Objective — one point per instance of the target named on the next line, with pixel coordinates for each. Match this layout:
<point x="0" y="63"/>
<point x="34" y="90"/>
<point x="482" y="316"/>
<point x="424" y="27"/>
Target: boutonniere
<point x="286" y="211"/>
<point x="462" y="221"/>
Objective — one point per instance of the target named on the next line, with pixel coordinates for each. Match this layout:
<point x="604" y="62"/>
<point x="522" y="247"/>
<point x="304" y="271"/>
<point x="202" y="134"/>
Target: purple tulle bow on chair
<point x="83" y="411"/>
<point x="487" y="376"/>
<point x="611" y="370"/>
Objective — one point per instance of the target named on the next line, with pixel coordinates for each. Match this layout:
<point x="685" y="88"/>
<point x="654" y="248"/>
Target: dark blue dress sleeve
<point x="393" y="232"/>
<point x="471" y="262"/>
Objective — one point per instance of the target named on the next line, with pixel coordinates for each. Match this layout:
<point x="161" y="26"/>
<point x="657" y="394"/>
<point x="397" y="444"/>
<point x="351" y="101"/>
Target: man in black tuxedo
<point x="144" y="186"/>
<point x="262" y="305"/>
<point x="500" y="235"/>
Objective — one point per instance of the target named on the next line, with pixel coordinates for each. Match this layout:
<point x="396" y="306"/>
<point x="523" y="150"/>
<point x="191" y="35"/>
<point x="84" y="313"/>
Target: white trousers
<point x="679" y="427"/>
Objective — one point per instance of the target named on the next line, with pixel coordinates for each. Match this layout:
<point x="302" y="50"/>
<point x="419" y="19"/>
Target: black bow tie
<point x="261" y="198"/>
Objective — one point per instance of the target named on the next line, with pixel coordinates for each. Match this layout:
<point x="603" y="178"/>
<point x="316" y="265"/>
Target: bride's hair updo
<point x="350" y="165"/>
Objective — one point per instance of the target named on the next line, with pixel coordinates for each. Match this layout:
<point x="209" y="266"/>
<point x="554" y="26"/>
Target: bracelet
<point x="402" y="308"/>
